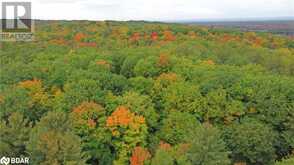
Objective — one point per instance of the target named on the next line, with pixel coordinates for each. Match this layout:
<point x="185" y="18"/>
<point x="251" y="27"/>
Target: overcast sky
<point x="160" y="10"/>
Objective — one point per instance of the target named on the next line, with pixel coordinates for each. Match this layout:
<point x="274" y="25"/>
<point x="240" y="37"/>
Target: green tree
<point x="177" y="127"/>
<point x="162" y="157"/>
<point x="53" y="142"/>
<point x="27" y="97"/>
<point x="141" y="84"/>
<point x="89" y="121"/>
<point x="127" y="69"/>
<point x="117" y="84"/>
<point x="208" y="148"/>
<point x="14" y="134"/>
<point x="288" y="133"/>
<point x="221" y="107"/>
<point x="146" y="67"/>
<point x="77" y="92"/>
<point x="289" y="161"/>
<point x="141" y="105"/>
<point x="183" y="97"/>
<point x="251" y="141"/>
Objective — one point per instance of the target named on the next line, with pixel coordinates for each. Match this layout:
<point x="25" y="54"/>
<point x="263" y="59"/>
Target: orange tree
<point x="128" y="130"/>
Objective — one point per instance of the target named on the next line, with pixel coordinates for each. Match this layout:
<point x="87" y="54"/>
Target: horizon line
<point x="283" y="18"/>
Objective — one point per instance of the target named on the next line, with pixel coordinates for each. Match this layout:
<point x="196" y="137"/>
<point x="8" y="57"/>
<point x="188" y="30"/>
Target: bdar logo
<point x="4" y="160"/>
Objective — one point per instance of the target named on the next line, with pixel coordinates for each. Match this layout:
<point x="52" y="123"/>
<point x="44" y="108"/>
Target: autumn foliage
<point x="164" y="146"/>
<point x="87" y="114"/>
<point x="79" y="36"/>
<point x="123" y="117"/>
<point x="139" y="155"/>
<point x="163" y="60"/>
<point x="59" y="41"/>
<point x="36" y="91"/>
<point x="171" y="77"/>
<point x="135" y="37"/>
<point x="103" y="63"/>
<point x="128" y="130"/>
<point x="209" y="62"/>
<point x="143" y="93"/>
<point x="227" y="38"/>
<point x="168" y="36"/>
<point x="31" y="84"/>
<point x="154" y="36"/>
<point x="192" y="34"/>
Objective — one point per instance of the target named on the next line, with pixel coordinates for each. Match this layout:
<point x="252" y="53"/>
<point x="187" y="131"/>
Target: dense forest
<point x="147" y="93"/>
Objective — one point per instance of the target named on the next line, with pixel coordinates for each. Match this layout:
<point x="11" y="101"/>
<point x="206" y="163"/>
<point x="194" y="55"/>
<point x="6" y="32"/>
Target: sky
<point x="160" y="10"/>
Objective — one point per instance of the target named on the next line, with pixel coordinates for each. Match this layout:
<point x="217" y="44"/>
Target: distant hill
<point x="281" y="25"/>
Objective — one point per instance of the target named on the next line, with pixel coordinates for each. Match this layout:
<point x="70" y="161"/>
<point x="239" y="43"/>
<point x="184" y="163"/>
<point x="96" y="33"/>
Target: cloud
<point x="160" y="9"/>
<point x="55" y="1"/>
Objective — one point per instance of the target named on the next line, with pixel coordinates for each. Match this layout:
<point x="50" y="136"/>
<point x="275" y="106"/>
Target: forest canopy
<point x="145" y="93"/>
